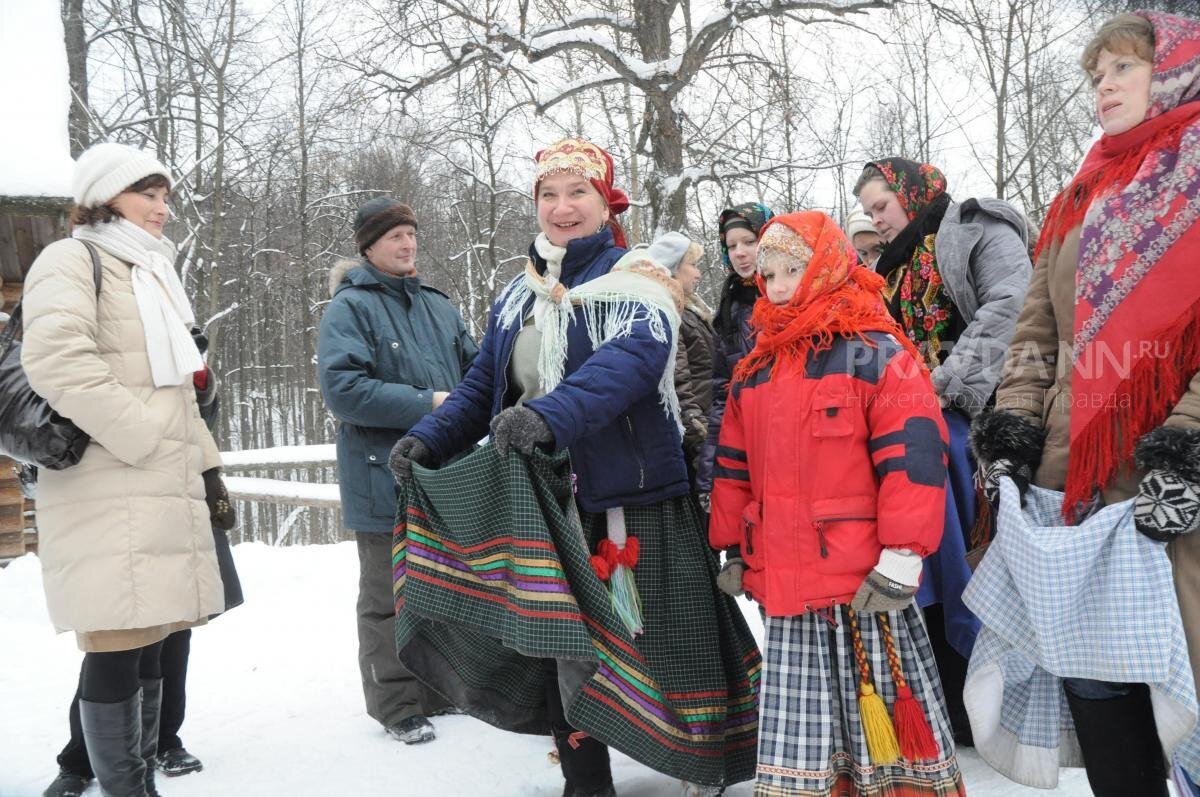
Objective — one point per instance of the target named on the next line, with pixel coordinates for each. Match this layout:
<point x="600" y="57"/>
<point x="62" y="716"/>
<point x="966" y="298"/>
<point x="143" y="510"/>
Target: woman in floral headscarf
<point x="956" y="274"/>
<point x="579" y="354"/>
<point x="1101" y="396"/>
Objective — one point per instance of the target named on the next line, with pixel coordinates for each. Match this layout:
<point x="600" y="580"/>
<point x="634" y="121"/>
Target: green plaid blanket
<point x="491" y="573"/>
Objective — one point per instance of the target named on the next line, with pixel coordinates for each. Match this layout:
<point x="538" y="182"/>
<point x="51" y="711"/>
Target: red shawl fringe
<point x="1138" y="405"/>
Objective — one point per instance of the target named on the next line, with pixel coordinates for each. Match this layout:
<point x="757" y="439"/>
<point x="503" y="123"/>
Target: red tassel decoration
<point x="912" y="728"/>
<point x="913" y="733"/>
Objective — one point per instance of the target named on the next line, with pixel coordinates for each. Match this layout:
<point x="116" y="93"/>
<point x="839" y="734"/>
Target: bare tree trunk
<point x="77" y="53"/>
<point x="217" y="222"/>
<point x="308" y="372"/>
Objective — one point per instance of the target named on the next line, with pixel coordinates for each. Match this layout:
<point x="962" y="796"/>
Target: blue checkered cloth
<point x="1094" y="601"/>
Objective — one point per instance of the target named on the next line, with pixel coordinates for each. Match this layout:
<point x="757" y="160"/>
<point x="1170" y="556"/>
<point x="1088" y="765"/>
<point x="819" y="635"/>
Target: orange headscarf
<point x="836" y="296"/>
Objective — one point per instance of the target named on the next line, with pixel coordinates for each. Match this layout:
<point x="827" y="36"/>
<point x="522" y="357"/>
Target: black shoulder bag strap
<point x="97" y="274"/>
<point x="14" y="329"/>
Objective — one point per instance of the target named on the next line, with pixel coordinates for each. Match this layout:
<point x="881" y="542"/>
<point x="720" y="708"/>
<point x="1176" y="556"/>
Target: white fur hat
<point x="857" y="222"/>
<point x="104" y="170"/>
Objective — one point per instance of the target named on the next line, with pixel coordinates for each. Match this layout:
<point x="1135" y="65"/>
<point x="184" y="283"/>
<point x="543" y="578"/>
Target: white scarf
<point x="164" y="308"/>
<point x="635" y="290"/>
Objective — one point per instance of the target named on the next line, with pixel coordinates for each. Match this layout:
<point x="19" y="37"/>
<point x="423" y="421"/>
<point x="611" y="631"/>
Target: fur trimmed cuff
<point x="1172" y="448"/>
<point x="1003" y="434"/>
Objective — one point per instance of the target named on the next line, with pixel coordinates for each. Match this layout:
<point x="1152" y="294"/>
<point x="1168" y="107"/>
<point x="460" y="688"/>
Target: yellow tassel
<point x="877" y="726"/>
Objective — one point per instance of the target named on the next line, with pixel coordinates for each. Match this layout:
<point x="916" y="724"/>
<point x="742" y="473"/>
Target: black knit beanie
<point x="375" y="218"/>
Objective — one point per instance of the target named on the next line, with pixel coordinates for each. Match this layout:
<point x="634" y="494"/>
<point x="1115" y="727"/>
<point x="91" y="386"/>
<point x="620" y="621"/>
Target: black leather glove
<point x="695" y="432"/>
<point x="408" y="450"/>
<point x="1009" y="444"/>
<point x="1167" y="505"/>
<point x="220" y="508"/>
<point x="519" y="428"/>
<point x="891" y="585"/>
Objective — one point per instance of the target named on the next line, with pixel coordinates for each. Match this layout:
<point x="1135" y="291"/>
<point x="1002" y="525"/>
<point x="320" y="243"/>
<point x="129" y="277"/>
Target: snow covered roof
<point x="35" y="157"/>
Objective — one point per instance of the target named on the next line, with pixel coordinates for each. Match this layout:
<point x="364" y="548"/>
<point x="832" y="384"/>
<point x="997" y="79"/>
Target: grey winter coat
<point x="385" y="346"/>
<point x="983" y="256"/>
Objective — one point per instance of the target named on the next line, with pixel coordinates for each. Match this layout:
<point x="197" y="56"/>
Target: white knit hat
<point x="669" y="249"/>
<point x="857" y="222"/>
<point x="105" y="170"/>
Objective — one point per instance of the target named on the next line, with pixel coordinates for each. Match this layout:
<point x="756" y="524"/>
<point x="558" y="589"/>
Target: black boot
<point x="151" y="706"/>
<point x="585" y="764"/>
<point x="179" y="761"/>
<point x="1121" y="750"/>
<point x="67" y="784"/>
<point x="113" y="732"/>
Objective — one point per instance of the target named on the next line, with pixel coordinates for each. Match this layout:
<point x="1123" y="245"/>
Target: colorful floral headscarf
<point x="914" y="292"/>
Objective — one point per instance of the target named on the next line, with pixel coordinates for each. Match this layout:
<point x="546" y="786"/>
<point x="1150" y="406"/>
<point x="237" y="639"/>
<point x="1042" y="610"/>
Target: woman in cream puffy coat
<point x="125" y="543"/>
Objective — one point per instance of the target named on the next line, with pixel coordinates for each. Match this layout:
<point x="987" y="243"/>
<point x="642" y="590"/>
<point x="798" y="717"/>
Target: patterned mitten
<point x="521" y="429"/>
<point x="892" y="584"/>
<point x="989" y="478"/>
<point x="1168" y="500"/>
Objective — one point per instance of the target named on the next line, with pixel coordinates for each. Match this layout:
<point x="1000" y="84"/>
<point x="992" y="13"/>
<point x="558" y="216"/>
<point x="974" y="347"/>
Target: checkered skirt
<point x="811" y="740"/>
<point x="491" y="572"/>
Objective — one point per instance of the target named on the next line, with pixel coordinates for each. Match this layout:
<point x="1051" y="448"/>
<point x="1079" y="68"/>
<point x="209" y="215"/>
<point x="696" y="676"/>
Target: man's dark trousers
<point x="391" y="691"/>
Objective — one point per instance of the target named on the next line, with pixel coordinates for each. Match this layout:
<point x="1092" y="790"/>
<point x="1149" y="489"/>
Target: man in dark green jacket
<point x="390" y="350"/>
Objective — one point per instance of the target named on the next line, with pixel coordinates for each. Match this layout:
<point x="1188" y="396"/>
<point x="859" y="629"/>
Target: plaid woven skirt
<point x="811" y="741"/>
<point x="492" y="573"/>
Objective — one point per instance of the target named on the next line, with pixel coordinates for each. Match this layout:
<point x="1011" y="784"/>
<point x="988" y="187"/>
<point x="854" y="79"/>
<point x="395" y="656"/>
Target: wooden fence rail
<point x="281" y="491"/>
<point x="18" y="532"/>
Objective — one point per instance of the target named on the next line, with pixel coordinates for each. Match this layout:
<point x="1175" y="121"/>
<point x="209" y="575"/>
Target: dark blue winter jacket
<point x="728" y="351"/>
<point x="385" y="345"/>
<point x="624" y="449"/>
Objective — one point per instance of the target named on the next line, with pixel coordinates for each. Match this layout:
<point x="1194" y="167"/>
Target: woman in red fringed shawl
<point x="828" y="489"/>
<point x="1101" y="394"/>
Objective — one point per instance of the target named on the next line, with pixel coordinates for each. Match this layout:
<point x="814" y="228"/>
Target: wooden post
<point x="12" y="513"/>
<point x="18" y="532"/>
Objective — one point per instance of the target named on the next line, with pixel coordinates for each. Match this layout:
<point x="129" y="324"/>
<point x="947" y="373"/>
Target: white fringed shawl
<point x="635" y="290"/>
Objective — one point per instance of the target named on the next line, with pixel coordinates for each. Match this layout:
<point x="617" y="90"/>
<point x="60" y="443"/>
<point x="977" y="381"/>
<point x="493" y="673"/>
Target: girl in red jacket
<point x="828" y="490"/>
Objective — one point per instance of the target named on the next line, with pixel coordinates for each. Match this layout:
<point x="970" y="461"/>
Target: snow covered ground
<point x="275" y="708"/>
